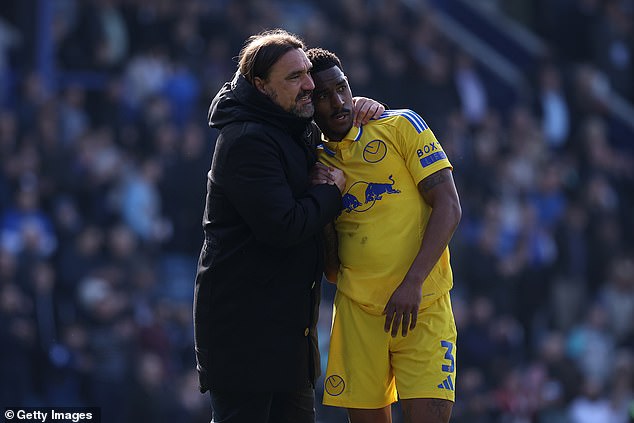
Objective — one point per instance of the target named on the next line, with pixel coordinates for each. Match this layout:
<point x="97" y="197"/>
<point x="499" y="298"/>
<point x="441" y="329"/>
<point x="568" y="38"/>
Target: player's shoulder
<point x="404" y="117"/>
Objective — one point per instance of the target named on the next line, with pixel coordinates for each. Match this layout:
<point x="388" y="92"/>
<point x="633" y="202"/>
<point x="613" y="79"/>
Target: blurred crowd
<point x="104" y="150"/>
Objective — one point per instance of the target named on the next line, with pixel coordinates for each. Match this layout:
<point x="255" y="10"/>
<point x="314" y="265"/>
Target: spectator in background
<point x="572" y="41"/>
<point x="74" y="120"/>
<point x="70" y="367"/>
<point x="476" y="343"/>
<point x="10" y="39"/>
<point x="77" y="260"/>
<point x="553" y="108"/>
<point x="145" y="75"/>
<point x="191" y="160"/>
<point x="114" y="39"/>
<point x="18" y="334"/>
<point x="613" y="46"/>
<point x="151" y="392"/>
<point x="571" y="237"/>
<point x="563" y="372"/>
<point x="140" y="202"/>
<point x="590" y="343"/>
<point x="436" y="95"/>
<point x="471" y="89"/>
<point x="592" y="405"/>
<point x="26" y="227"/>
<point x="617" y="294"/>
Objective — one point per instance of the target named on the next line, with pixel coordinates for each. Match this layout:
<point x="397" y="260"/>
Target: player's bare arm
<point x="439" y="192"/>
<point x="432" y="180"/>
<point x="331" y="255"/>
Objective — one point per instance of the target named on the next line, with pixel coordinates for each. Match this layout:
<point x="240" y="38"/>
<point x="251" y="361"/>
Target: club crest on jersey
<point x="334" y="385"/>
<point x="362" y="195"/>
<point x="374" y="151"/>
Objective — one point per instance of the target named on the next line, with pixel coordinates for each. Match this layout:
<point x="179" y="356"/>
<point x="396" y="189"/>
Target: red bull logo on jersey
<point x="362" y="195"/>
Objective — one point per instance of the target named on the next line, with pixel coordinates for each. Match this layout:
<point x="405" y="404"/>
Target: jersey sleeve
<point x="418" y="145"/>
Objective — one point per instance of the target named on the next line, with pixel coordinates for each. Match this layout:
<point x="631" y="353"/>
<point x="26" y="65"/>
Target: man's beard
<point x="305" y="112"/>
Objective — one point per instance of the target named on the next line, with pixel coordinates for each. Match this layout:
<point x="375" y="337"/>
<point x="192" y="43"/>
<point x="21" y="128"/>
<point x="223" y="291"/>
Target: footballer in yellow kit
<point x="380" y="229"/>
<point x="380" y="234"/>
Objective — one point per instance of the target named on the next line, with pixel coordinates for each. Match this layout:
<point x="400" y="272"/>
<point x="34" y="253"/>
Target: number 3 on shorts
<point x="448" y="356"/>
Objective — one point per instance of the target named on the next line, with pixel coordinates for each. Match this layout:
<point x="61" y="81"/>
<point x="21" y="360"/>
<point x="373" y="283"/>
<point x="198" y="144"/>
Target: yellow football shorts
<point x="366" y="365"/>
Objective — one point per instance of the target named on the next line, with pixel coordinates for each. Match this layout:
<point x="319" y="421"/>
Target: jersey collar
<point x="353" y="135"/>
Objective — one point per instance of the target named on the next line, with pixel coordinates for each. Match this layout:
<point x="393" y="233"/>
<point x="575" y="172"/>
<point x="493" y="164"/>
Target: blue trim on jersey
<point x="328" y="151"/>
<point x="433" y="158"/>
<point x="359" y="134"/>
<point x="414" y="118"/>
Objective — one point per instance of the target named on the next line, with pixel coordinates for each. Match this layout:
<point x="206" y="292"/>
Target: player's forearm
<point x="443" y="221"/>
<point x="331" y="255"/>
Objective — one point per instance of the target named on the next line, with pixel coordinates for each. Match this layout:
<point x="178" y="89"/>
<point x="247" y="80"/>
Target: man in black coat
<point x="258" y="282"/>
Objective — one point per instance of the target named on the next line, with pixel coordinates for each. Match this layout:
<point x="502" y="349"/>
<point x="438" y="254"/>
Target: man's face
<point x="333" y="103"/>
<point x="289" y="84"/>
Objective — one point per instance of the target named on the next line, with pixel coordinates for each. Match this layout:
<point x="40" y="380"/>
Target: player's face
<point x="289" y="84"/>
<point x="333" y="103"/>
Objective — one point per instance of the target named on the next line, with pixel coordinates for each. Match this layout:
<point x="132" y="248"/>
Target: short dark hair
<point x="261" y="51"/>
<point x="323" y="59"/>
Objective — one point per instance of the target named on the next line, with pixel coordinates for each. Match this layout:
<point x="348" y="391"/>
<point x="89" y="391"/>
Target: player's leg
<point x="377" y="415"/>
<point x="424" y="364"/>
<point x="358" y="375"/>
<point x="426" y="410"/>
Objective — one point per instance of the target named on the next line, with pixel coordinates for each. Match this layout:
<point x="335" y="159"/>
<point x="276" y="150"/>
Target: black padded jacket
<point x="259" y="273"/>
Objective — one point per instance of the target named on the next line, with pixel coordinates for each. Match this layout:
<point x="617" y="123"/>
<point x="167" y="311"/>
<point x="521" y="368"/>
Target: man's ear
<point x="259" y="84"/>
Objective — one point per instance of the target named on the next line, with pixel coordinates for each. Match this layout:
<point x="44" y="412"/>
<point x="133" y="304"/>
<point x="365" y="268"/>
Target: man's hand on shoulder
<point x="364" y="109"/>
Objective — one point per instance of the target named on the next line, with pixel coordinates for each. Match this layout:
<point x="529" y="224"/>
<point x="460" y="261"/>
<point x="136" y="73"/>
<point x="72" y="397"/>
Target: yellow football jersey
<point x="384" y="216"/>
